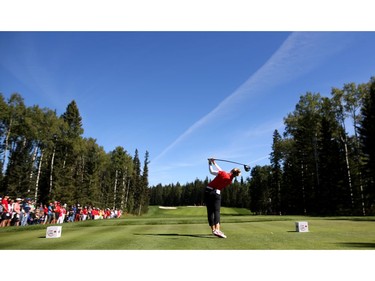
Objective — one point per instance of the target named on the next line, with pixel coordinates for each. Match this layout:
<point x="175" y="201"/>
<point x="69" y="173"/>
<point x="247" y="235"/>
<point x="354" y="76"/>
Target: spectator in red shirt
<point x="108" y="213"/>
<point x="57" y="211"/>
<point x="45" y="211"/>
<point x="6" y="215"/>
<point x="84" y="213"/>
<point x="62" y="214"/>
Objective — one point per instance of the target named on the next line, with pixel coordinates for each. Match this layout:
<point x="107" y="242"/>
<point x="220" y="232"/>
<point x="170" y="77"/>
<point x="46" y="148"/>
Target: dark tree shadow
<point x="358" y="244"/>
<point x="178" y="235"/>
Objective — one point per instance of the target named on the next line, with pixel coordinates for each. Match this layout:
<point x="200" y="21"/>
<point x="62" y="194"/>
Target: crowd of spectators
<point x="22" y="212"/>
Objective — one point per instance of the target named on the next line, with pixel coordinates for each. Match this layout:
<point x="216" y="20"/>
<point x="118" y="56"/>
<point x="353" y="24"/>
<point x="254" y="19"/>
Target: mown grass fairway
<point x="185" y="228"/>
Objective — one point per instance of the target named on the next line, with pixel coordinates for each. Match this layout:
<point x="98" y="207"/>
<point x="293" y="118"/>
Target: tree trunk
<point x="316" y="161"/>
<point x="51" y="172"/>
<point x="123" y="191"/>
<point x="303" y="189"/>
<point x="6" y="144"/>
<point x="127" y="194"/>
<point x="114" y="191"/>
<point x="38" y="177"/>
<point x="348" y="171"/>
<point x="32" y="161"/>
<point x="358" y="163"/>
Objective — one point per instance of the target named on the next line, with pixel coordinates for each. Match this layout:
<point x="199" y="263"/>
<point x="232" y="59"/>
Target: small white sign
<point x="302" y="226"/>
<point x="53" y="232"/>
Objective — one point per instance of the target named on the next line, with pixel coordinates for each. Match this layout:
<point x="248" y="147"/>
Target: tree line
<point x="322" y="164"/>
<point x="45" y="157"/>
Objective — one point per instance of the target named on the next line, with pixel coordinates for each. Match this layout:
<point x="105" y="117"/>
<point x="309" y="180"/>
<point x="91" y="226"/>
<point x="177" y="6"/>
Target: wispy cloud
<point x="251" y="107"/>
<point x="298" y="54"/>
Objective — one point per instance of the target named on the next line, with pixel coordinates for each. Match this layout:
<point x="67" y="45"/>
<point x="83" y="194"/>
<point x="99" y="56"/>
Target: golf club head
<point x="246" y="168"/>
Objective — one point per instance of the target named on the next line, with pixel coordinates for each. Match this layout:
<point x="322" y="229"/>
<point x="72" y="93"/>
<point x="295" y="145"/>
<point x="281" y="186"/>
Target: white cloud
<point x="298" y="55"/>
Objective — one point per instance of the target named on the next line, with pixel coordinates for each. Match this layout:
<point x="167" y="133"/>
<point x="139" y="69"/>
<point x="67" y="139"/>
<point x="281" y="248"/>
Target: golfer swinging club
<point x="212" y="194"/>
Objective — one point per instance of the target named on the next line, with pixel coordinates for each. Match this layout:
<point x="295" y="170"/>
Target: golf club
<point x="246" y="167"/>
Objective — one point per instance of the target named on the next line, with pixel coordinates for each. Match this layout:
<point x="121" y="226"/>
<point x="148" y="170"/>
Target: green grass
<point x="185" y="228"/>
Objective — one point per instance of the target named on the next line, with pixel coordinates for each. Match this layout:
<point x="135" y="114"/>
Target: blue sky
<point x="182" y="96"/>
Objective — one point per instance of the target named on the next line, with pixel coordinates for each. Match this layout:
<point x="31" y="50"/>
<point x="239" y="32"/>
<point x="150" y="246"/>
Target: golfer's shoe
<point x="218" y="233"/>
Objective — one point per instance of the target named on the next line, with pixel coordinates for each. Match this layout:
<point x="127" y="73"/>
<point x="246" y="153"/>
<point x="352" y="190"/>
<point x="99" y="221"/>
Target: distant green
<point x="185" y="228"/>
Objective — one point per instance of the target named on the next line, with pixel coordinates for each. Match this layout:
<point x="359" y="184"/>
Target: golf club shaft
<point x="228" y="161"/>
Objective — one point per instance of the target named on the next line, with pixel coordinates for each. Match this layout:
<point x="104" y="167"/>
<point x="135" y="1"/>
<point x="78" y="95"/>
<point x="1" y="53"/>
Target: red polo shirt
<point x="5" y="203"/>
<point x="222" y="180"/>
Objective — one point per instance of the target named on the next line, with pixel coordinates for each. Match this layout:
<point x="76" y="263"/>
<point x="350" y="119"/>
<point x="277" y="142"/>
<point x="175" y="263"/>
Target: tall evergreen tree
<point x="260" y="190"/>
<point x="276" y="162"/>
<point x="136" y="185"/>
<point x="332" y="194"/>
<point x="121" y="166"/>
<point x="74" y="120"/>
<point x="92" y="162"/>
<point x="3" y="116"/>
<point x="12" y="120"/>
<point x="293" y="200"/>
<point x="144" y="201"/>
<point x="16" y="146"/>
<point x="68" y="159"/>
<point x="367" y="140"/>
<point x="303" y="125"/>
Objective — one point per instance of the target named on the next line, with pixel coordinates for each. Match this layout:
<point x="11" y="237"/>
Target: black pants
<point x="213" y="203"/>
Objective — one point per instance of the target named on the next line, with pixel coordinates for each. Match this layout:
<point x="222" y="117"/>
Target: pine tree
<point x="303" y="126"/>
<point x="276" y="162"/>
<point x="68" y="159"/>
<point x="367" y="139"/>
<point x="332" y="194"/>
<point x="144" y="201"/>
<point x="136" y="185"/>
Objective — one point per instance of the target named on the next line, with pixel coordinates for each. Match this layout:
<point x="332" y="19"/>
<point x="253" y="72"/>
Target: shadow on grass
<point x="366" y="245"/>
<point x="360" y="219"/>
<point x="177" y="235"/>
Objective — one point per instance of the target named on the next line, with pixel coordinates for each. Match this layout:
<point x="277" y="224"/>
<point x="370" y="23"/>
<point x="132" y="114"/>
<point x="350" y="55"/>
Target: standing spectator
<point x="6" y="215"/>
<point x="71" y="213"/>
<point x="32" y="217"/>
<point x="89" y="213"/>
<point x="113" y="214"/>
<point x="95" y="213"/>
<point x="84" y="213"/>
<point x="45" y="212"/>
<point x="16" y="212"/>
<point x="62" y="214"/>
<point x="25" y="211"/>
<point x="108" y="213"/>
<point x="101" y="214"/>
<point x="42" y="216"/>
<point x="50" y="213"/>
<point x="37" y="215"/>
<point x="10" y="208"/>
<point x="33" y="213"/>
<point x="57" y="211"/>
<point x="32" y="206"/>
<point x="78" y="213"/>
